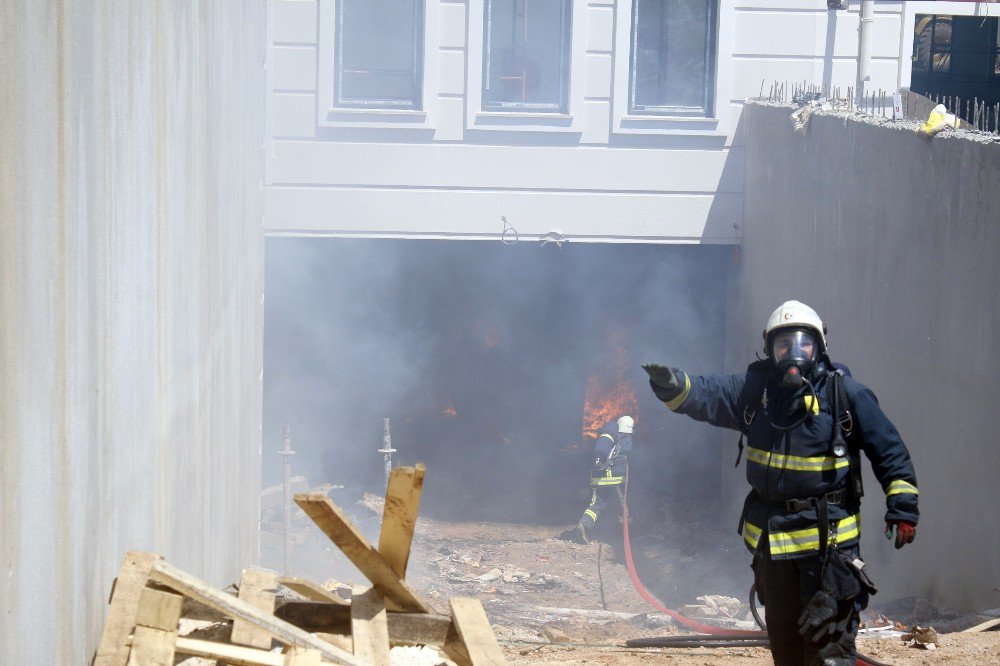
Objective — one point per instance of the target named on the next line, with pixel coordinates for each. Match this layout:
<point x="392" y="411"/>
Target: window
<point x="671" y="65"/>
<point x="526" y="55"/>
<point x="932" y="43"/>
<point x="996" y="52"/>
<point x="379" y="59"/>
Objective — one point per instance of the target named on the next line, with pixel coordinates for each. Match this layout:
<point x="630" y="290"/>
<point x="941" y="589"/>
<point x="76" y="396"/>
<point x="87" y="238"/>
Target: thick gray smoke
<point x="479" y="353"/>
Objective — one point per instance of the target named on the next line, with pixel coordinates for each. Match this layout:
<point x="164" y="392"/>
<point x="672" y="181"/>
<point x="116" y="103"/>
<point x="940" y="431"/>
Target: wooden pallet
<point x="151" y="596"/>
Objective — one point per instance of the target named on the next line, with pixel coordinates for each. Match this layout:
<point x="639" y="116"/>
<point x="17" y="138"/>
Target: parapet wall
<point x="894" y="240"/>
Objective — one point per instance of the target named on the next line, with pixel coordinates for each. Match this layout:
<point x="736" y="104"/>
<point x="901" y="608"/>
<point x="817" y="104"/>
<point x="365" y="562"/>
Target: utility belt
<point x="837" y="498"/>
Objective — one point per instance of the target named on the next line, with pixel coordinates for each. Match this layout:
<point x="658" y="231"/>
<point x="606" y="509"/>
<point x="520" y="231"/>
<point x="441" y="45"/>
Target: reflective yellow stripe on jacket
<point x="900" y="487"/>
<point x="796" y="463"/>
<point x="679" y="400"/>
<point x="803" y="541"/>
<point x="751" y="534"/>
<point x="606" y="480"/>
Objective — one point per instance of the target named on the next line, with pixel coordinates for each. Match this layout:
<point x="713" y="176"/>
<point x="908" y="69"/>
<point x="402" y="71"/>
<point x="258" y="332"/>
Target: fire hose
<point x="726" y="637"/>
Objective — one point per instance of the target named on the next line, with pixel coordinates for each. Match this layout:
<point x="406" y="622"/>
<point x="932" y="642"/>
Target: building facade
<point x="595" y="120"/>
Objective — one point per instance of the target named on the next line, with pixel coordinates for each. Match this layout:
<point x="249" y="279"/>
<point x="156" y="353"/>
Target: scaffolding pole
<point x="287" y="453"/>
<point x="386" y="449"/>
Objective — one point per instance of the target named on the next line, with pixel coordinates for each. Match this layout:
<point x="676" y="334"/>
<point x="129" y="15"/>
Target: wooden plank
<point x="343" y="641"/>
<point x="152" y="647"/>
<point x="302" y="657"/>
<point x="329" y="518"/>
<point x="455" y="648"/>
<point x="985" y="626"/>
<point x="257" y="588"/>
<point x="237" y="655"/>
<point x="312" y="591"/>
<point x="404" y="628"/>
<point x="476" y="632"/>
<point x="399" y="516"/>
<point x="159" y="609"/>
<point x="156" y="628"/>
<point x="369" y="628"/>
<point x="198" y="590"/>
<point x="113" y="649"/>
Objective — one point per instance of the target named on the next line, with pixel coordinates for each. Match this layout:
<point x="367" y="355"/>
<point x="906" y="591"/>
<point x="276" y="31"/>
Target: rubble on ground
<point x="542" y="594"/>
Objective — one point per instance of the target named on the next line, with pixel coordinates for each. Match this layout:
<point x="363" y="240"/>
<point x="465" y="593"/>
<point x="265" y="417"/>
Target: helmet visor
<point x="794" y="345"/>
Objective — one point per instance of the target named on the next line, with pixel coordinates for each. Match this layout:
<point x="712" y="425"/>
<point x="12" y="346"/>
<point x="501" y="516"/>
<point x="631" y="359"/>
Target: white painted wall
<point x="453" y="171"/>
<point x="596" y="174"/>
<point x="131" y="276"/>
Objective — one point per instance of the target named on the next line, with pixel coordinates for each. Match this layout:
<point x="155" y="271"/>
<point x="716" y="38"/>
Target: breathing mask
<point x="793" y="352"/>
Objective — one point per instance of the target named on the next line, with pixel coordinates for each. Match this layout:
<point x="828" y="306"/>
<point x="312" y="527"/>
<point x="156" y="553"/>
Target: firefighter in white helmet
<point x="613" y="444"/>
<point x="806" y="422"/>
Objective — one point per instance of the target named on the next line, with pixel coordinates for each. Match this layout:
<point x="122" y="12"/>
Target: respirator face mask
<point x="793" y="352"/>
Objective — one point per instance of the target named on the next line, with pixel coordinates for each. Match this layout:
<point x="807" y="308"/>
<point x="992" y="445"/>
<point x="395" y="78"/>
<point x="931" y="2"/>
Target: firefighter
<point x="806" y="423"/>
<point x="612" y="447"/>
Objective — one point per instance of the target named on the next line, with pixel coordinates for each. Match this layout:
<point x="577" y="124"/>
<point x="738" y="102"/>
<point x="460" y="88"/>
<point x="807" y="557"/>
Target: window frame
<point x="565" y="66"/>
<point x="416" y="76"/>
<point x="673" y="122"/>
<point x="708" y="85"/>
<point x="331" y="114"/>
<point x="479" y="118"/>
<point x="911" y="10"/>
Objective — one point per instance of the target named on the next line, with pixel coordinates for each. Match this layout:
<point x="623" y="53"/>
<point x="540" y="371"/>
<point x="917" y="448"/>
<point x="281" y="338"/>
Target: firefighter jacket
<point x="798" y="463"/>
<point x="610" y="472"/>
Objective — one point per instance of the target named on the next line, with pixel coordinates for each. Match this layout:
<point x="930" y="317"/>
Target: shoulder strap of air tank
<point x="841" y="408"/>
<point x="750" y="399"/>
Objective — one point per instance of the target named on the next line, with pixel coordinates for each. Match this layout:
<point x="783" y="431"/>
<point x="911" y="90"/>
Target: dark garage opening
<point x="484" y="356"/>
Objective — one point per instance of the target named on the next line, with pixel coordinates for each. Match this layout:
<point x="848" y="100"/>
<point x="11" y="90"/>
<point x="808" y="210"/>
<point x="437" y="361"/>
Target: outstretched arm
<point x="708" y="398"/>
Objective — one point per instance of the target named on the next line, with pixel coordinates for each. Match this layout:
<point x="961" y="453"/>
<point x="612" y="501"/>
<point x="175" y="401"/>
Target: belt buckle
<point x="796" y="505"/>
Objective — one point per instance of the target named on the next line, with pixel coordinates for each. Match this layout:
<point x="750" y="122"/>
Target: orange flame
<point x="450" y="411"/>
<point x="605" y="402"/>
<point x="609" y="393"/>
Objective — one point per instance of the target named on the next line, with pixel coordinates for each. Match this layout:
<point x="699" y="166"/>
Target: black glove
<point x="664" y="381"/>
<point x="817" y="620"/>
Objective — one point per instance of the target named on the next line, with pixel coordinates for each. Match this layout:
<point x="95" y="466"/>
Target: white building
<point x="602" y="121"/>
<point x="132" y="252"/>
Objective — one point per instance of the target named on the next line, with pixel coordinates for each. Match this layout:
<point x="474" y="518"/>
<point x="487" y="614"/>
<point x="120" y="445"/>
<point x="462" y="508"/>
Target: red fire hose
<point x="709" y="629"/>
<point x="653" y="601"/>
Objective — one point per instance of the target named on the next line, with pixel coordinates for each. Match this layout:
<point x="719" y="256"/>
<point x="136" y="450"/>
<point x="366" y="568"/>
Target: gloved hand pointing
<point x="906" y="532"/>
<point x="663" y="380"/>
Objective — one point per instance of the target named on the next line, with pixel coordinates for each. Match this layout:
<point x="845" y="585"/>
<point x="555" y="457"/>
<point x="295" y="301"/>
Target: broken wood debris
<point x="151" y="599"/>
<point x="924" y="637"/>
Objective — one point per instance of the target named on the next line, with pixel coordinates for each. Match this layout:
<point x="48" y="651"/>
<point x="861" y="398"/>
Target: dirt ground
<point x="543" y="594"/>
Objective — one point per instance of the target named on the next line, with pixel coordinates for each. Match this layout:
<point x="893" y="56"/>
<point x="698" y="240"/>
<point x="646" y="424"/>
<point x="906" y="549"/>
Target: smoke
<point x="480" y="353"/>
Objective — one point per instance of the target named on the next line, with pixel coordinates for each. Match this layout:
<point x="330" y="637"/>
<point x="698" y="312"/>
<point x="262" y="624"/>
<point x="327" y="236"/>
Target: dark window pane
<point x="527" y="55"/>
<point x="379" y="53"/>
<point x="996" y="55"/>
<point x="672" y="44"/>
<point x="932" y="43"/>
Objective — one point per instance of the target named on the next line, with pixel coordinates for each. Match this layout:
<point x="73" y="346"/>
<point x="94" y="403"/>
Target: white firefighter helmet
<point x="792" y="314"/>
<point x="625" y="425"/>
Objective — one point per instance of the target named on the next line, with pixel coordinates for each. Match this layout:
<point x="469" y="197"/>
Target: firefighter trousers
<point x="786" y="587"/>
<point x="600" y="498"/>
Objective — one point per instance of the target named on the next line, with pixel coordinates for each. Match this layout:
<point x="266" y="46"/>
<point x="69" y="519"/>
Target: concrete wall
<point x="894" y="241"/>
<point x="131" y="275"/>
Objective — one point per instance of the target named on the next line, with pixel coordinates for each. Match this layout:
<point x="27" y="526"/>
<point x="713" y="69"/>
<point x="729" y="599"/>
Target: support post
<point x="287" y="453"/>
<point x="386" y="449"/>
